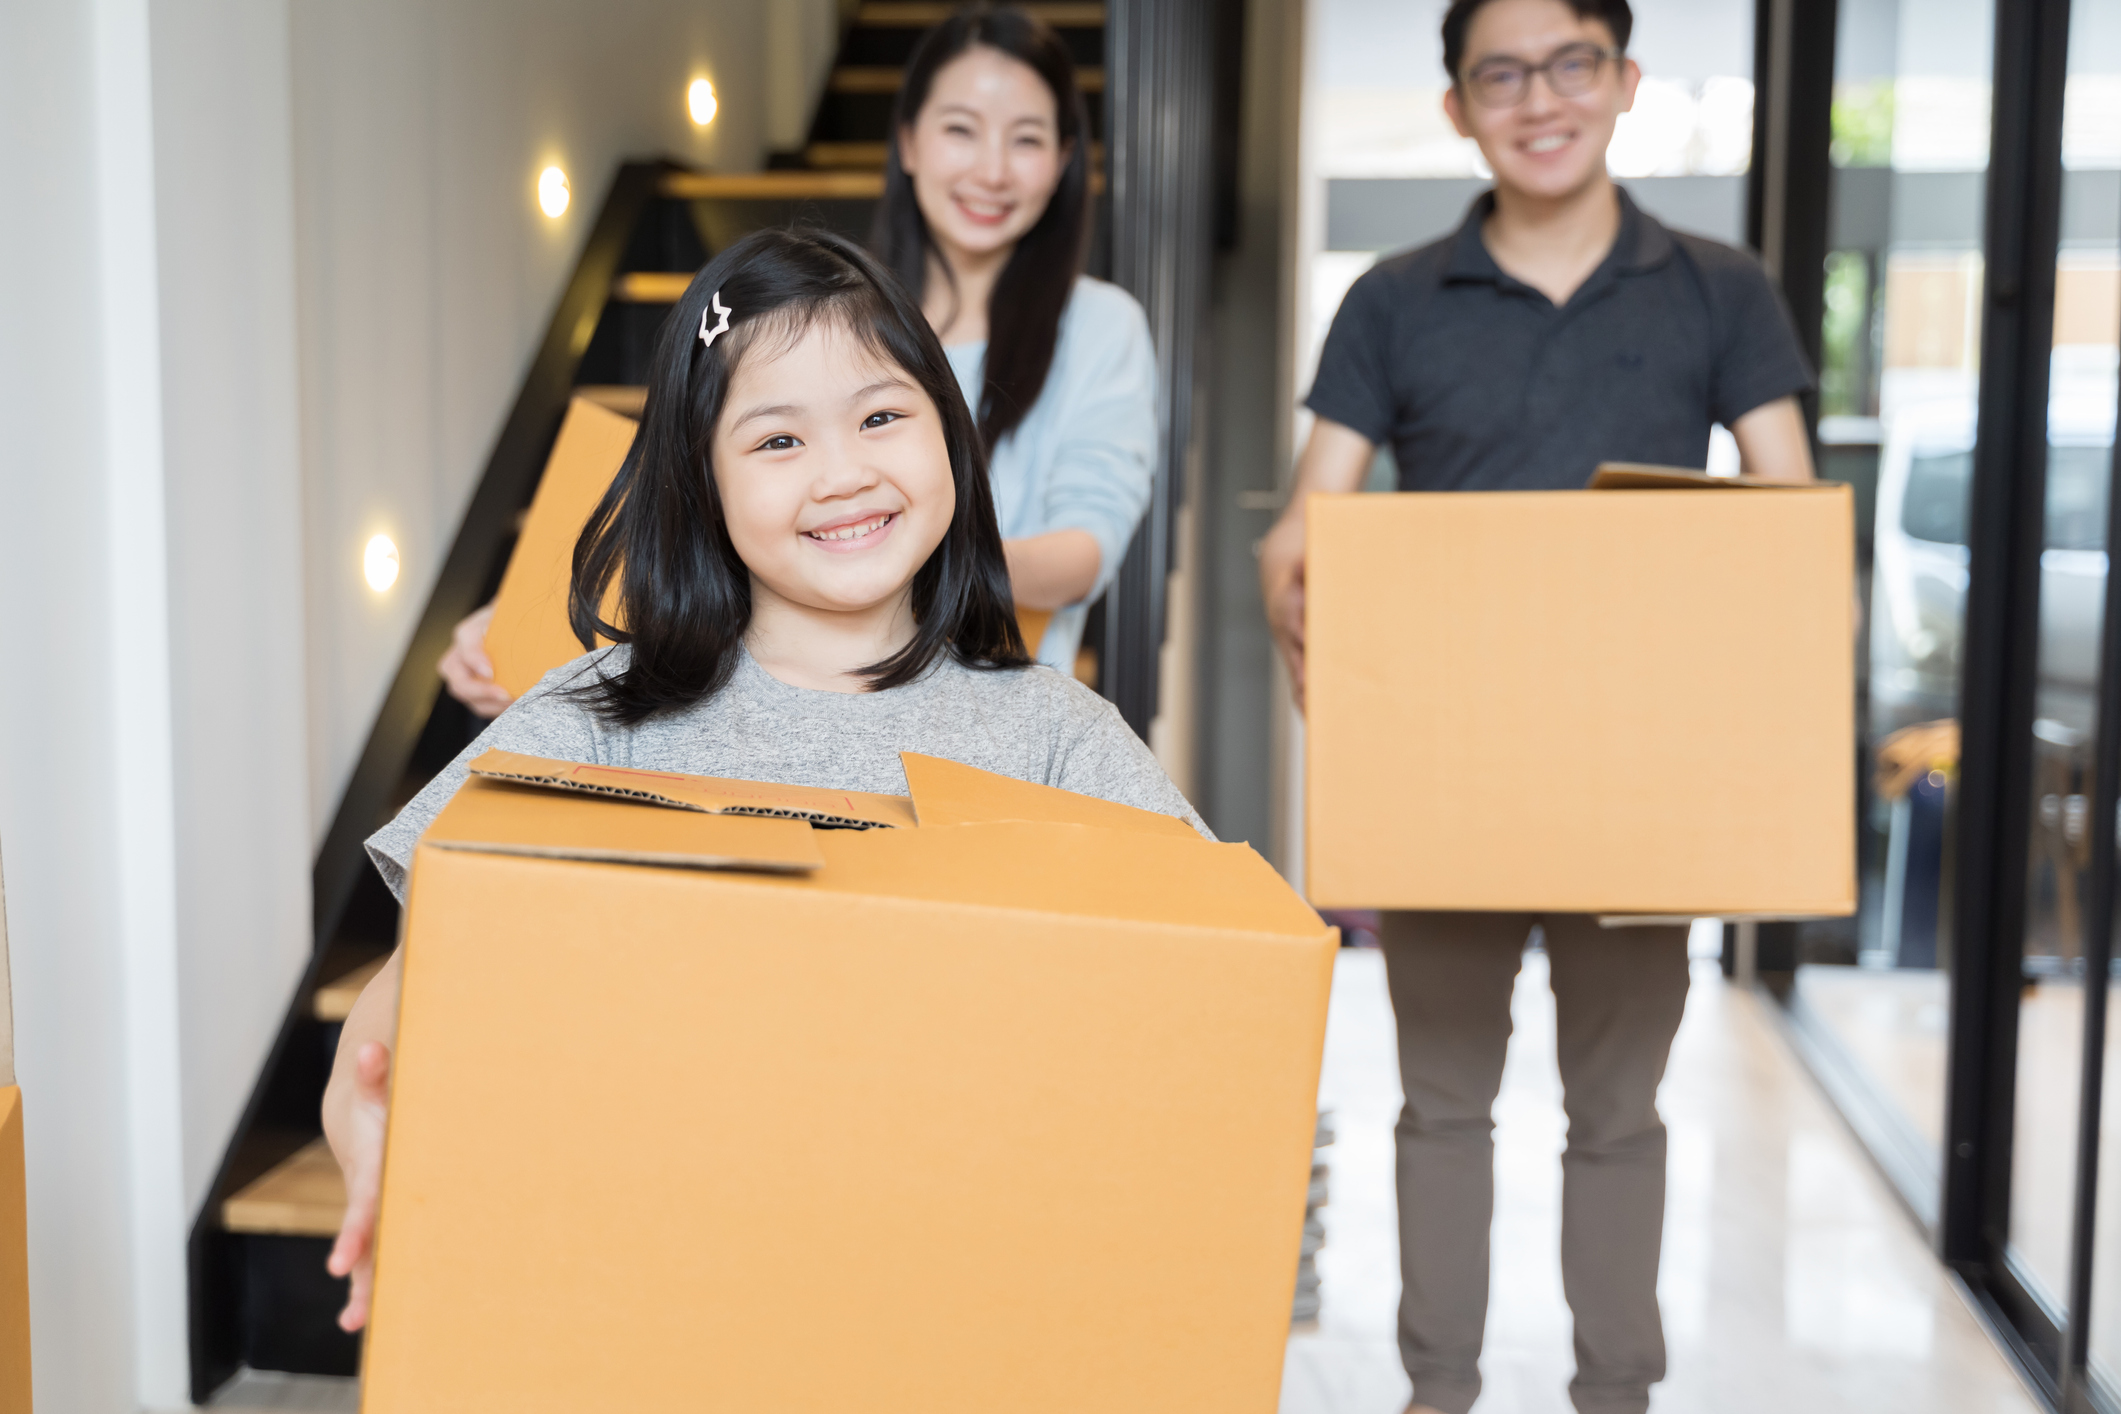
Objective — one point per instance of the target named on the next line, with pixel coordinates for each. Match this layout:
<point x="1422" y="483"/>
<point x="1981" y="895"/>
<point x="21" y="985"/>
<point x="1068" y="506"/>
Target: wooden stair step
<point x="869" y="156"/>
<point x="923" y="14"/>
<point x="651" y="286"/>
<point x="784" y="184"/>
<point x="859" y="156"/>
<point x="874" y="78"/>
<point x="334" y="1000"/>
<point x="781" y="185"/>
<point x="304" y="1195"/>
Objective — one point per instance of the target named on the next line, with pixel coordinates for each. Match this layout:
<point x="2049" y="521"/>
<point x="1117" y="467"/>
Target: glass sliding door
<point x="2081" y="399"/>
<point x="1899" y="380"/>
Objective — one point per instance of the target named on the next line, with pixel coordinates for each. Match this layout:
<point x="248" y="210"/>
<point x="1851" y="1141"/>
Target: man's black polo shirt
<point x="1480" y="384"/>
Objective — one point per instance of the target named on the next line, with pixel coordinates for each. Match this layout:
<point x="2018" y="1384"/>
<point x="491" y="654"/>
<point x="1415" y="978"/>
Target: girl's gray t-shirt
<point x="1034" y="724"/>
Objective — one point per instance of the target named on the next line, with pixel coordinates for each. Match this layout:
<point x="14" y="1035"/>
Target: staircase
<point x="259" y="1296"/>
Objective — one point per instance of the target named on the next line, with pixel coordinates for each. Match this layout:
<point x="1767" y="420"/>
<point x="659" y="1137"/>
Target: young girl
<point x="810" y="579"/>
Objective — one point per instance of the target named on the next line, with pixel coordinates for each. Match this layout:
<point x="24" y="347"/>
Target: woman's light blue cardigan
<point x="1083" y="457"/>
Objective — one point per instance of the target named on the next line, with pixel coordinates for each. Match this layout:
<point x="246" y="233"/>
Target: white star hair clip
<point x="707" y="335"/>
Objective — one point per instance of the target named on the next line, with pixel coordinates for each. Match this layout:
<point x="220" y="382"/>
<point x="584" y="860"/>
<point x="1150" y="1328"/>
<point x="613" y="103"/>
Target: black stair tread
<point x="334" y="999"/>
<point x="922" y="14"/>
<point x="304" y="1195"/>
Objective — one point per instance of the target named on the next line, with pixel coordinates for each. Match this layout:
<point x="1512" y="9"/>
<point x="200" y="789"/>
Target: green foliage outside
<point x="1863" y="124"/>
<point x="1845" y="337"/>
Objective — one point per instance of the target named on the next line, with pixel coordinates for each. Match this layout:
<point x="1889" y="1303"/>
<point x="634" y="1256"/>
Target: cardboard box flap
<point x="1635" y="476"/>
<point x="494" y="816"/>
<point x="1072" y="871"/>
<point x="831" y="809"/>
<point x="948" y="793"/>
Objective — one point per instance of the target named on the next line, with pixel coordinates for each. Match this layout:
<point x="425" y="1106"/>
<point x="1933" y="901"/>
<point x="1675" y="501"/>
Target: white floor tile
<point x="1792" y="1279"/>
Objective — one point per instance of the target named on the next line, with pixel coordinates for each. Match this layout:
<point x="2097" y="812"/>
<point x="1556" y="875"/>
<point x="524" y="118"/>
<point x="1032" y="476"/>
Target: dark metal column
<point x="1790" y="182"/>
<point x="1159" y="76"/>
<point x="2005" y="520"/>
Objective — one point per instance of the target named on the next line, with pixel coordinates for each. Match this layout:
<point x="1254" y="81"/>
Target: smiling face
<point x="1546" y="145"/>
<point x="984" y="152"/>
<point x="833" y="471"/>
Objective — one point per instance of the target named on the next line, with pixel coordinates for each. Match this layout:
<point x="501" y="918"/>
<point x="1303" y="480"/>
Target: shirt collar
<point x="1642" y="243"/>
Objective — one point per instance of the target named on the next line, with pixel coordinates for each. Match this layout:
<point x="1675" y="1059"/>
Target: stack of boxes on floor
<point x="1307" y="1297"/>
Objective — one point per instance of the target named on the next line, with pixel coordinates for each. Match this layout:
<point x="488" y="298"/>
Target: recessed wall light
<point x="701" y="100"/>
<point x="552" y="191"/>
<point x="379" y="562"/>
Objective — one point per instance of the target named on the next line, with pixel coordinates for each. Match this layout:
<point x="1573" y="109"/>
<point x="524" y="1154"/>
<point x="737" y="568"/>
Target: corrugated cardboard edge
<point x="14" y="1208"/>
<point x="552" y="774"/>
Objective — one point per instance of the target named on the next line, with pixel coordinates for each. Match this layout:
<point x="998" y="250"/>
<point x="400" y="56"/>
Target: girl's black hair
<point x="658" y="536"/>
<point x="1023" y="317"/>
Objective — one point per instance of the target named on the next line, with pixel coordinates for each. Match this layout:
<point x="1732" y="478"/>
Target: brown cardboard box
<point x="1636" y="700"/>
<point x="530" y="635"/>
<point x="14" y="1209"/>
<point x="1010" y="1108"/>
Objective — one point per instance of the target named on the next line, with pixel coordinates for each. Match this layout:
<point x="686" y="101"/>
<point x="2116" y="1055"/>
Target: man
<point x="1560" y="327"/>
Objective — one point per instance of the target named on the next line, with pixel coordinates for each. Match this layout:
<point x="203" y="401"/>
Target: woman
<point x="986" y="213"/>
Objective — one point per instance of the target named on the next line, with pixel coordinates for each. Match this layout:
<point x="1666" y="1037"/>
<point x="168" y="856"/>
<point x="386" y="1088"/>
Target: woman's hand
<point x="466" y="670"/>
<point x="358" y="1146"/>
<point x="1053" y="570"/>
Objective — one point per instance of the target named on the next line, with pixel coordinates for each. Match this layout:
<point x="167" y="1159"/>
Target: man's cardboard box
<point x="14" y="1209"/>
<point x="1635" y="700"/>
<point x="1004" y="1102"/>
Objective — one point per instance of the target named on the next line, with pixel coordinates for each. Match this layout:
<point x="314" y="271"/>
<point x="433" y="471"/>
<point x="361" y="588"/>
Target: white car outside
<point x="1919" y="565"/>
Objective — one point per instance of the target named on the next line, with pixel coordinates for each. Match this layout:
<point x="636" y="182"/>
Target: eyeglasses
<point x="1571" y="71"/>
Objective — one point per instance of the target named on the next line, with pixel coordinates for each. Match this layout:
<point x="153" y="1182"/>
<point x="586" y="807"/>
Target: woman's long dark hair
<point x="683" y="595"/>
<point x="1023" y="317"/>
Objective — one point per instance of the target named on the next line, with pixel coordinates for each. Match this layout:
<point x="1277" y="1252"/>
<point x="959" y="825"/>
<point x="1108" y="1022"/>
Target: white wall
<point x="85" y="768"/>
<point x="427" y="272"/>
<point x="224" y="199"/>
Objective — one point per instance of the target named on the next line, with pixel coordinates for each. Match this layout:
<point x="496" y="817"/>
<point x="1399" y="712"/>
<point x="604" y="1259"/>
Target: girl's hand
<point x="359" y="1148"/>
<point x="466" y="670"/>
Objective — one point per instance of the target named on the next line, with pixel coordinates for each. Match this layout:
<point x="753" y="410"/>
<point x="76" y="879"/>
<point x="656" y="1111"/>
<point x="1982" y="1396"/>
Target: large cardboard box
<point x="14" y="1209"/>
<point x="1632" y="700"/>
<point x="1005" y="1102"/>
<point x="530" y="635"/>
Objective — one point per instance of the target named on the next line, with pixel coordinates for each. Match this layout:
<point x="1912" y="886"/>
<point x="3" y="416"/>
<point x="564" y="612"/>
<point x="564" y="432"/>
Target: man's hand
<point x="1336" y="459"/>
<point x="466" y="670"/>
<point x="1281" y="585"/>
<point x="358" y="1145"/>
